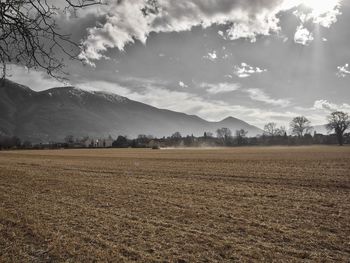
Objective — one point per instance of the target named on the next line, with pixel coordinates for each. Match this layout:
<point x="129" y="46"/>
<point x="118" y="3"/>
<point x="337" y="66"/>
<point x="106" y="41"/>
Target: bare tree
<point x="208" y="134"/>
<point x="176" y="136"/>
<point x="240" y="136"/>
<point x="300" y="126"/>
<point x="69" y="139"/>
<point x="339" y="122"/>
<point x="30" y="36"/>
<point x="272" y="130"/>
<point x="224" y="134"/>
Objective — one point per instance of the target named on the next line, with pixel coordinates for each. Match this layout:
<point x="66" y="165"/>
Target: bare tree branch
<point x="30" y="36"/>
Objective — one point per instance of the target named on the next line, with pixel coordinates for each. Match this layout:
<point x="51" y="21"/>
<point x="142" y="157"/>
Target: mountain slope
<point x="12" y="95"/>
<point x="52" y="114"/>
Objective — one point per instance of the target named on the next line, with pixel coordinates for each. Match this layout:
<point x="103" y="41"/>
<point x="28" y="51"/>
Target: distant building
<point x="88" y="142"/>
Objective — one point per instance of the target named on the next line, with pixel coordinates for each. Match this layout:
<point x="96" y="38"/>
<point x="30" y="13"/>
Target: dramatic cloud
<point x="128" y="21"/>
<point x="263" y="24"/>
<point x="328" y="106"/>
<point x="259" y="95"/>
<point x="303" y="36"/>
<point x="169" y="70"/>
<point x="245" y="70"/>
<point x="220" y="87"/>
<point x="343" y="71"/>
<point x="324" y="13"/>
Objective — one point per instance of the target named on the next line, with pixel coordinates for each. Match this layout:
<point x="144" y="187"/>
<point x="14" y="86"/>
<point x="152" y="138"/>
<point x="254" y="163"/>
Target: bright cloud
<point x="220" y="87"/>
<point x="182" y="84"/>
<point x="303" y="36"/>
<point x="264" y="24"/>
<point x="324" y="13"/>
<point x="260" y="95"/>
<point x="37" y="80"/>
<point x="343" y="71"/>
<point x="212" y="56"/>
<point x="244" y="70"/>
<point x="328" y="106"/>
<point x="129" y="21"/>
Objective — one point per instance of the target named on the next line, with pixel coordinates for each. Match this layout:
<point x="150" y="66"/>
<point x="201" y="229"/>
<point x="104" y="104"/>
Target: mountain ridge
<point x="52" y="114"/>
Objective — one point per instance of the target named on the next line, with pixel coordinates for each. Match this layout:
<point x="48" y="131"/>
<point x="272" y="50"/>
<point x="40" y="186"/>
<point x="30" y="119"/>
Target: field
<point x="274" y="204"/>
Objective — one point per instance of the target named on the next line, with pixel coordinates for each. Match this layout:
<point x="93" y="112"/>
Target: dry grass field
<point x="275" y="204"/>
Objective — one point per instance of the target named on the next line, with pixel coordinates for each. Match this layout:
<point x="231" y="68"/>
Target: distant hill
<point x="52" y="114"/>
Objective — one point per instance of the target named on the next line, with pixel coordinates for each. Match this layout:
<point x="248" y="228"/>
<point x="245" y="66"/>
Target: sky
<point x="257" y="60"/>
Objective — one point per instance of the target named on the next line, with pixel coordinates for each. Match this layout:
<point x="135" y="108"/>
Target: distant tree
<point x="346" y="137"/>
<point x="241" y="133"/>
<point x="176" y="139"/>
<point x="69" y="139"/>
<point x="8" y="142"/>
<point x="208" y="135"/>
<point x="241" y="136"/>
<point x="224" y="135"/>
<point x="189" y="140"/>
<point x="142" y="139"/>
<point x="308" y="138"/>
<point x="283" y="131"/>
<point x="121" y="142"/>
<point x="271" y="130"/>
<point x="339" y="122"/>
<point x="176" y="135"/>
<point x="27" y="145"/>
<point x="300" y="126"/>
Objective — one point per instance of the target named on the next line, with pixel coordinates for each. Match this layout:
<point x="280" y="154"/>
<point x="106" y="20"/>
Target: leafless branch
<point x="29" y="34"/>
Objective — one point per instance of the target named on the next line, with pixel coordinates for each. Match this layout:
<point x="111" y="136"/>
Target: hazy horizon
<point x="211" y="121"/>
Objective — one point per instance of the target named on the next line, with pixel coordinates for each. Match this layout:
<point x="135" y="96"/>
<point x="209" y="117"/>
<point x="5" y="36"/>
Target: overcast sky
<point x="257" y="60"/>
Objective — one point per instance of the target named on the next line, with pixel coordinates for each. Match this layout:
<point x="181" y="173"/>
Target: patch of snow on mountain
<point x="110" y="96"/>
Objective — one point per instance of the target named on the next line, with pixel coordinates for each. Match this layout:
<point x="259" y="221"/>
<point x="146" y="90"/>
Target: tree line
<point x="300" y="127"/>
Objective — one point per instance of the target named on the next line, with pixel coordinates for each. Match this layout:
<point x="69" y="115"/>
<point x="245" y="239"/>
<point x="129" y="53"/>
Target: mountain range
<point x="52" y="114"/>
